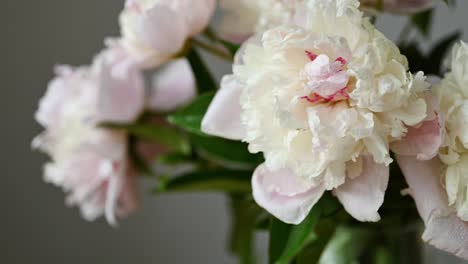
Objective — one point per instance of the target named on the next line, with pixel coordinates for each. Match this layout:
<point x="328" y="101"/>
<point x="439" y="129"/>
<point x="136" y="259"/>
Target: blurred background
<point x="37" y="227"/>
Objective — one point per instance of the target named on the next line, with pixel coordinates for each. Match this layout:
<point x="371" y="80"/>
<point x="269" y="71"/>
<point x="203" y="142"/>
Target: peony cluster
<point x="88" y="160"/>
<point x="326" y="98"/>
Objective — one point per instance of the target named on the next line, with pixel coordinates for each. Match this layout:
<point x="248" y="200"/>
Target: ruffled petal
<point x="363" y="195"/>
<point x="284" y="194"/>
<point x="172" y="87"/>
<point x="223" y="117"/>
<point x="423" y="141"/>
<point x="444" y="229"/>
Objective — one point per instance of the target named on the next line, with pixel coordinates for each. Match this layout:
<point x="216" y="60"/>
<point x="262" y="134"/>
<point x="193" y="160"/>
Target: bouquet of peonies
<point x="327" y="135"/>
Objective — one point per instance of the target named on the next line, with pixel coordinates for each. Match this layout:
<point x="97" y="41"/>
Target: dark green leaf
<point x="383" y="256"/>
<point x="233" y="48"/>
<point x="289" y="240"/>
<point x="423" y="21"/>
<point x="204" y="79"/>
<point x="346" y="246"/>
<point x="190" y="117"/>
<point x="164" y="135"/>
<point x="245" y="213"/>
<point x="138" y="162"/>
<point x="312" y="253"/>
<point x="226" y="152"/>
<point x="208" y="181"/>
<point x="440" y="50"/>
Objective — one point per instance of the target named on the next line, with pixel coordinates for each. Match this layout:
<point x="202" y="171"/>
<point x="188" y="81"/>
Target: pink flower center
<point x="326" y="80"/>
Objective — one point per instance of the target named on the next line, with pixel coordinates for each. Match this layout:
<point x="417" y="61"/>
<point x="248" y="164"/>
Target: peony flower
<point x="399" y="6"/>
<point x="156" y="30"/>
<point x="173" y="86"/>
<point x="439" y="186"/>
<point x="322" y="100"/>
<point x="444" y="229"/>
<point x="88" y="162"/>
<point x="243" y="18"/>
<point x="452" y="95"/>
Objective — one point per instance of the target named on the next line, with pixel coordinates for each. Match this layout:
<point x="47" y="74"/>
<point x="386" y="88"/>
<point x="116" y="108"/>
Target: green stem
<point x="213" y="50"/>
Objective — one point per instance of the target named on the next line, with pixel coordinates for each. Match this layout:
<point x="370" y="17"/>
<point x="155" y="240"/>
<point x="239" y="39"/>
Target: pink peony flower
<point x="154" y="31"/>
<point x="88" y="162"/>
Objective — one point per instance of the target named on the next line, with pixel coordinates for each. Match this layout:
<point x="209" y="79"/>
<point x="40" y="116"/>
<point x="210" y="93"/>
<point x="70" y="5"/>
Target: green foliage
<point x="423" y="21"/>
<point x="204" y="79"/>
<point x="226" y="152"/>
<point x="160" y="134"/>
<point x="346" y="246"/>
<point x="245" y="213"/>
<point x="286" y="241"/>
<point x="191" y="116"/>
<point x="231" y="47"/>
<point x="432" y="62"/>
<point x="217" y="180"/>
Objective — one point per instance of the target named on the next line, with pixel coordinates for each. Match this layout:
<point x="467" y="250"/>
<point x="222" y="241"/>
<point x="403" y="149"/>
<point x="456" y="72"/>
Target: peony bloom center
<point x="326" y="80"/>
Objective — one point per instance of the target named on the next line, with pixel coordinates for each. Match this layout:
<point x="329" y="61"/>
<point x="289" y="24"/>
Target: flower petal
<point x="284" y="194"/>
<point x="424" y="140"/>
<point x="163" y="29"/>
<point x="121" y="87"/>
<point x="172" y="87"/>
<point x="223" y="117"/>
<point x="444" y="229"/>
<point x="363" y="195"/>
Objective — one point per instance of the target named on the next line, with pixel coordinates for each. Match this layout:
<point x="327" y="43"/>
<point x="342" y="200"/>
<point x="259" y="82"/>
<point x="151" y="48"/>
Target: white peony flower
<point x="154" y="31"/>
<point x="88" y="162"/>
<point x="440" y="186"/>
<point x="322" y="100"/>
<point x="452" y="95"/>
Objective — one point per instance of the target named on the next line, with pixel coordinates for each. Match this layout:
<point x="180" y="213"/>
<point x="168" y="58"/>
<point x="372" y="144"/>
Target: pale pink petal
<point x="223" y="117"/>
<point x="172" y="87"/>
<point x="444" y="229"/>
<point x="423" y="141"/>
<point x="121" y="88"/>
<point x="284" y="194"/>
<point x="115" y="185"/>
<point x="198" y="14"/>
<point x="163" y="29"/>
<point x="363" y="195"/>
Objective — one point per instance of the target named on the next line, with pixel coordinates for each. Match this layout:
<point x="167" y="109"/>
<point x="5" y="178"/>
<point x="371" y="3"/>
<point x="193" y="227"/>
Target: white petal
<point x="223" y="117"/>
<point x="363" y="195"/>
<point x="172" y="87"/>
<point x="163" y="30"/>
<point x="121" y="88"/>
<point x="284" y="194"/>
<point x="444" y="229"/>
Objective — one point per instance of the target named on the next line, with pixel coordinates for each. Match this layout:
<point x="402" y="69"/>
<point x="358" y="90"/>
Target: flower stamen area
<point x="327" y="81"/>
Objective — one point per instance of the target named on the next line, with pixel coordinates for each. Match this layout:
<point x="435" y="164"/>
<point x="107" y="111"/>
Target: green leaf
<point x="423" y="21"/>
<point x="346" y="246"/>
<point x="286" y="241"/>
<point x="233" y="48"/>
<point x="164" y="135"/>
<point x="440" y="50"/>
<point x="137" y="160"/>
<point x="312" y="253"/>
<point x="229" y="153"/>
<point x="191" y="116"/>
<point x="204" y="79"/>
<point x="383" y="256"/>
<point x="245" y="213"/>
<point x="208" y="181"/>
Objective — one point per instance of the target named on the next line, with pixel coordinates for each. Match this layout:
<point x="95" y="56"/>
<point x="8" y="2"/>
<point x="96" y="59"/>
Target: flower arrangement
<point x="327" y="135"/>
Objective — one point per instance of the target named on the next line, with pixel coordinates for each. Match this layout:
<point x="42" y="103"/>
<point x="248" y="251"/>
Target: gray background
<point x="36" y="226"/>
